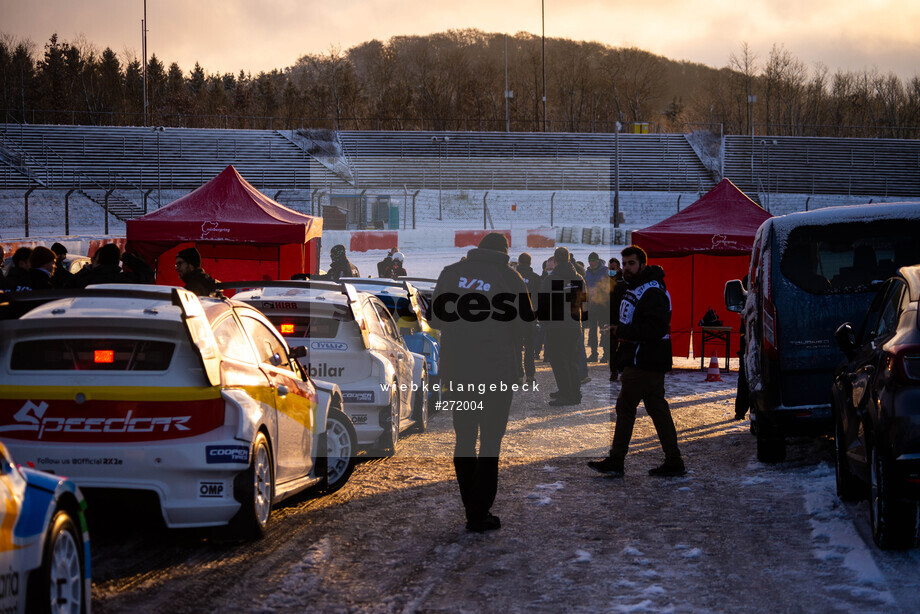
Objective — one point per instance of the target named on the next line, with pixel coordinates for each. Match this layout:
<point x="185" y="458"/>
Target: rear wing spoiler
<point x="14" y="305"/>
<point x="351" y="294"/>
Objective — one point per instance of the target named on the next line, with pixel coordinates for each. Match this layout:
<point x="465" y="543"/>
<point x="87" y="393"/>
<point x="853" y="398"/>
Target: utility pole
<point x="508" y="93"/>
<point x="144" y="51"/>
<point x="543" y="37"/>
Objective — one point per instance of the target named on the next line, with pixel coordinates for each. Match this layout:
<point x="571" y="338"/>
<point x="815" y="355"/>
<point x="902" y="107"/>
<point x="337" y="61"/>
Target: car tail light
<point x="104" y="356"/>
<point x="906" y="362"/>
<point x="770" y="330"/>
<point x="287" y="329"/>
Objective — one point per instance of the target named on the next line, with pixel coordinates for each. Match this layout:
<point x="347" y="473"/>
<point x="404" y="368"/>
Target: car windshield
<point x="851" y="257"/>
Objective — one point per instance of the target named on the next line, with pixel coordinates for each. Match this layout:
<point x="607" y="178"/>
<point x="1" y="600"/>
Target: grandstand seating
<point x="523" y="161"/>
<point x="819" y="165"/>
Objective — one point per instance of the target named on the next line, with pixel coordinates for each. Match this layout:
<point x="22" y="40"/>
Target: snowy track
<point x="733" y="535"/>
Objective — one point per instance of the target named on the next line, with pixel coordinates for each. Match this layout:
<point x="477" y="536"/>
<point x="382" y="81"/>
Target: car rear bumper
<point x="795" y="420"/>
<point x="192" y="478"/>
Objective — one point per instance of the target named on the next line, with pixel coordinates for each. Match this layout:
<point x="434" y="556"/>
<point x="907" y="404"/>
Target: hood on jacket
<point x="649" y="273"/>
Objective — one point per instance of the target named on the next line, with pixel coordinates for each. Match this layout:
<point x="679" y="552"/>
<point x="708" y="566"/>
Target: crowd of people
<point x="43" y="268"/>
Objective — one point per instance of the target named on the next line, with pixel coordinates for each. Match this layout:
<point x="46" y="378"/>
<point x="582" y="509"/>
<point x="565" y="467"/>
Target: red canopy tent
<point x="700" y="248"/>
<point x="241" y="233"/>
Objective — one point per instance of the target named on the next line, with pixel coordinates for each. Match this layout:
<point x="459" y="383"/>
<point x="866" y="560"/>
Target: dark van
<point x="809" y="272"/>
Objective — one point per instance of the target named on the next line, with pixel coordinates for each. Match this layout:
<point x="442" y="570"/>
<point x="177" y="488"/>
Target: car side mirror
<point x="734" y="295"/>
<point x="299" y="351"/>
<point x="846" y="339"/>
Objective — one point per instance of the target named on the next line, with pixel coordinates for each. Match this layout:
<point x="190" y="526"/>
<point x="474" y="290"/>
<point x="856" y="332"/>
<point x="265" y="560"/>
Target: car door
<point x="295" y="400"/>
<point x="404" y="360"/>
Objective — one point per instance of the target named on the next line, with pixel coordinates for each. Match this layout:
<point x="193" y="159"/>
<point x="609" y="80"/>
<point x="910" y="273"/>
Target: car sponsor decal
<point x="322" y="370"/>
<point x="211" y="490"/>
<point x="279" y="305"/>
<point x="358" y="396"/>
<point x="358" y="418"/>
<point x="336" y="346"/>
<point x="45" y="419"/>
<point x="226" y="454"/>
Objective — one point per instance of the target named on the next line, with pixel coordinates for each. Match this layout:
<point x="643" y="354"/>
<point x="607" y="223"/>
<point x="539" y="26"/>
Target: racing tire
<point x="341" y="442"/>
<point x="254" y="489"/>
<point x="771" y="444"/>
<point x="58" y="585"/>
<point x="849" y="488"/>
<point x="390" y="438"/>
<point x="420" y="408"/>
<point x="893" y="519"/>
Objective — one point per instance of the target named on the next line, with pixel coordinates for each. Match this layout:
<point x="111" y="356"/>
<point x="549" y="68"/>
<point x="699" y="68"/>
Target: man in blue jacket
<point x="643" y="356"/>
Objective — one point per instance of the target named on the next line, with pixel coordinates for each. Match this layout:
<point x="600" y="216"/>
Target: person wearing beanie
<point x="481" y="348"/>
<point x="188" y="266"/>
<point x="61" y="272"/>
<point x="106" y="268"/>
<point x="340" y="266"/>
<point x="564" y="340"/>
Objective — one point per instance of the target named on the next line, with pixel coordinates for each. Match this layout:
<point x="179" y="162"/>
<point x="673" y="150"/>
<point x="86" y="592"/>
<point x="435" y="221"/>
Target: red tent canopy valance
<point x="700" y="248"/>
<point x="238" y="230"/>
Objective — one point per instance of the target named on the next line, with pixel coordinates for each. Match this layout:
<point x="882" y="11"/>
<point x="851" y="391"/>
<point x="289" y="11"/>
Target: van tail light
<point x="905" y="361"/>
<point x="770" y="330"/>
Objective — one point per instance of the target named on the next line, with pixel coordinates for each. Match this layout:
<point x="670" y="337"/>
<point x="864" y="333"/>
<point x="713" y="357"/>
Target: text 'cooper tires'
<point x="341" y="445"/>
<point x="894" y="520"/>
<point x="849" y="488"/>
<point x="254" y="489"/>
<point x="57" y="586"/>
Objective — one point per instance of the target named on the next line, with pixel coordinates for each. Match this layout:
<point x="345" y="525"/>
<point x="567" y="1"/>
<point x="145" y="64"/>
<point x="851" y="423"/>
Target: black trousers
<point x="646" y="386"/>
<point x="563" y="346"/>
<point x="530" y="341"/>
<point x="477" y="474"/>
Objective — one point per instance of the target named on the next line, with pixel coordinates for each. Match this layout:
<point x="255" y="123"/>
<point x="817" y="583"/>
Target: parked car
<point x="406" y="304"/>
<point x="353" y="341"/>
<point x="810" y="271"/>
<point x="44" y="544"/>
<point x="876" y="410"/>
<point x="152" y="390"/>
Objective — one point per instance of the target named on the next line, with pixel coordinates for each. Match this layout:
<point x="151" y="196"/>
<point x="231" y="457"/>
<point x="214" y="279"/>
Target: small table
<point x="713" y="334"/>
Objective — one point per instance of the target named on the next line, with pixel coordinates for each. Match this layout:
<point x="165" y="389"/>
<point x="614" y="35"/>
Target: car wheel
<point x="390" y="437"/>
<point x="771" y="445"/>
<point x="893" y="520"/>
<point x="58" y="585"/>
<point x="341" y="445"/>
<point x="849" y="488"/>
<point x="254" y="489"/>
<point x="420" y="412"/>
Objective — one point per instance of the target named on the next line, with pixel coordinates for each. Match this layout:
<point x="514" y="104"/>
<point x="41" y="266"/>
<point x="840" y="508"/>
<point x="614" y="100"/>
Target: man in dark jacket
<point x="61" y="271"/>
<point x="644" y="356"/>
<point x="617" y="290"/>
<point x="188" y="265"/>
<point x="17" y="278"/>
<point x="41" y="269"/>
<point x="480" y="348"/>
<point x="560" y="317"/>
<point x="341" y="266"/>
<point x="532" y="281"/>
<point x="105" y="269"/>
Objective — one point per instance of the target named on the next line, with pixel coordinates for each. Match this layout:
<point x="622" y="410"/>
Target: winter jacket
<point x="532" y="281"/>
<point x="340" y="267"/>
<point x="645" y="323"/>
<point x="487" y="350"/>
<point x="16" y="280"/>
<point x="598" y="282"/>
<point x="566" y="281"/>
<point x="139" y="273"/>
<point x="199" y="282"/>
<point x="617" y="290"/>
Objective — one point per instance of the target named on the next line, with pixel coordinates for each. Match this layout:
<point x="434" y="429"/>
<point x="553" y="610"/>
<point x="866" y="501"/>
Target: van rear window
<point x="851" y="257"/>
<point x="304" y="326"/>
<point x="91" y="355"/>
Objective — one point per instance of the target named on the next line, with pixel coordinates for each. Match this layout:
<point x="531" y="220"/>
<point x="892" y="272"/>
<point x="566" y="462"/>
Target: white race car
<point x="149" y="388"/>
<point x="353" y="341"/>
<point x="44" y="545"/>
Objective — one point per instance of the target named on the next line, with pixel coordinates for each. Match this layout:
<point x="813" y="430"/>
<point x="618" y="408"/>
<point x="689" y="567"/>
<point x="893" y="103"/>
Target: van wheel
<point x="420" y="411"/>
<point x="341" y="444"/>
<point x="848" y="487"/>
<point x="771" y="445"/>
<point x="893" y="520"/>
<point x="57" y="586"/>
<point x="254" y="489"/>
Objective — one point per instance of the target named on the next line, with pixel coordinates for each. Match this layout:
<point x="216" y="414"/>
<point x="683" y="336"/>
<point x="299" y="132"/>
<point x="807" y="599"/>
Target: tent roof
<point x="227" y="209"/>
<point x="722" y="222"/>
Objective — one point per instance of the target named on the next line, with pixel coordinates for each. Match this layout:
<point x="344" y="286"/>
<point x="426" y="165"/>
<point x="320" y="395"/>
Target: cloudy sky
<point x="257" y="35"/>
